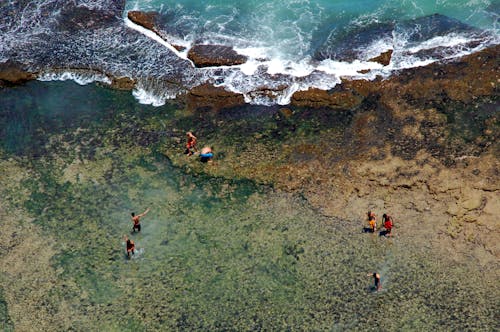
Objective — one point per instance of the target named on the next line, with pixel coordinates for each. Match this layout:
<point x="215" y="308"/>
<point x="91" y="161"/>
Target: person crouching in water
<point x="136" y="219"/>
<point x="130" y="246"/>
<point x="372" y="221"/>
<point x="206" y="154"/>
<point x="190" y="144"/>
<point x="387" y="224"/>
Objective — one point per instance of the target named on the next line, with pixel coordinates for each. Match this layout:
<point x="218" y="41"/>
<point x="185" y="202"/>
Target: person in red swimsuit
<point x="136" y="219"/>
<point x="190" y="144"/>
<point x="387" y="224"/>
<point x="130" y="246"/>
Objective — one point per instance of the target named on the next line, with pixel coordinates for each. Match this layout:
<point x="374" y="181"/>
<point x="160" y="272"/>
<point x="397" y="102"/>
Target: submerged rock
<point x="208" y="96"/>
<point x="215" y="55"/>
<point x="351" y="45"/>
<point x="83" y="18"/>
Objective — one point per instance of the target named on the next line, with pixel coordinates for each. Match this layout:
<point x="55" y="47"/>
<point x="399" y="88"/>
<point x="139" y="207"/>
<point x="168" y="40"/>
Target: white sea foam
<point x="78" y="77"/>
<point x="451" y="40"/>
<point x="157" y="38"/>
<point x="152" y="97"/>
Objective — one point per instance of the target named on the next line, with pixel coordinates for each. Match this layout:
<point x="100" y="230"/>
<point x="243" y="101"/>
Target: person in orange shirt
<point x="372" y="221"/>
<point x="136" y="219"/>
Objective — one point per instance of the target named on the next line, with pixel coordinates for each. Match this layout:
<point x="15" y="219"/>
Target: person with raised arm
<point x="136" y="219"/>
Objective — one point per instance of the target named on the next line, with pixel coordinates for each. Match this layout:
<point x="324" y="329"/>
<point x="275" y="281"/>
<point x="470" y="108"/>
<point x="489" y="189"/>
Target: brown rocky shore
<point x="422" y="144"/>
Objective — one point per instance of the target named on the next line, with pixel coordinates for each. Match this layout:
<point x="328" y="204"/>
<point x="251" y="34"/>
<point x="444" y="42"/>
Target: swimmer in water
<point x="206" y="154"/>
<point x="130" y="246"/>
<point x="136" y="219"/>
<point x="376" y="280"/>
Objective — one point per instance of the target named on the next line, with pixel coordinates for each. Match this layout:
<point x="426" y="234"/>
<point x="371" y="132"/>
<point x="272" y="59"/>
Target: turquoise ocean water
<point x="291" y="44"/>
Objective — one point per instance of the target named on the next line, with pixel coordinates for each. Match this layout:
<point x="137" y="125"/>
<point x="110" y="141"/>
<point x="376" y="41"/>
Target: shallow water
<point x="214" y="253"/>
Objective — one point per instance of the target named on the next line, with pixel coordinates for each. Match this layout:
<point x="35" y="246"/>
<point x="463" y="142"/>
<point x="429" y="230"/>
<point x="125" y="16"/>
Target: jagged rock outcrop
<point x="144" y="19"/>
<point x="384" y="58"/>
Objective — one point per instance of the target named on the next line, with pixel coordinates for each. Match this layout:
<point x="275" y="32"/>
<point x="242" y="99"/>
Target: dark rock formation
<point x="215" y="55"/>
<point x="427" y="27"/>
<point x="144" y="19"/>
<point x="473" y="75"/>
<point x="345" y="46"/>
<point x="384" y="58"/>
<point x="348" y="45"/>
<point x="12" y="73"/>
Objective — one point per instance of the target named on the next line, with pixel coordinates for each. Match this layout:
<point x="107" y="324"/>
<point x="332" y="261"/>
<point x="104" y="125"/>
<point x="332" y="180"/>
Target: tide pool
<point x="213" y="254"/>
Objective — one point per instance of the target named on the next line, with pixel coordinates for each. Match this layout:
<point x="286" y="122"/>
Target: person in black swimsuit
<point x="376" y="280"/>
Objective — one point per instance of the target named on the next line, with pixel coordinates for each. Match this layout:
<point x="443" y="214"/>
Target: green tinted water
<point x="214" y="254"/>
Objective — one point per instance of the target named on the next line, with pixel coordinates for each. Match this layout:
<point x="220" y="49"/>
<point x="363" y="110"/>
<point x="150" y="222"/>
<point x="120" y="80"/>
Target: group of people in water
<point x="388" y="224"/>
<point x="136" y="227"/>
<point x="206" y="153"/>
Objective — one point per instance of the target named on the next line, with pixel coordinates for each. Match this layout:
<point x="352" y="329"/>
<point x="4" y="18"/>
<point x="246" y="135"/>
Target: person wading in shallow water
<point x="376" y="280"/>
<point x="136" y="219"/>
<point x="191" y="143"/>
<point x="387" y="224"/>
<point x="130" y="246"/>
<point x="372" y="221"/>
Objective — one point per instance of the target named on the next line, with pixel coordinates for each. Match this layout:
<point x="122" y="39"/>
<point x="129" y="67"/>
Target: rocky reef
<point x="422" y="144"/>
<point x="259" y="232"/>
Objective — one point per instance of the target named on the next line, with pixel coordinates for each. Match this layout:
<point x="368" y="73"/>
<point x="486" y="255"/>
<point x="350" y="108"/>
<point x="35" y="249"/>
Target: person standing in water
<point x="372" y="221"/>
<point x="376" y="280"/>
<point x="387" y="224"/>
<point x="130" y="246"/>
<point x="191" y="143"/>
<point x="136" y="219"/>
